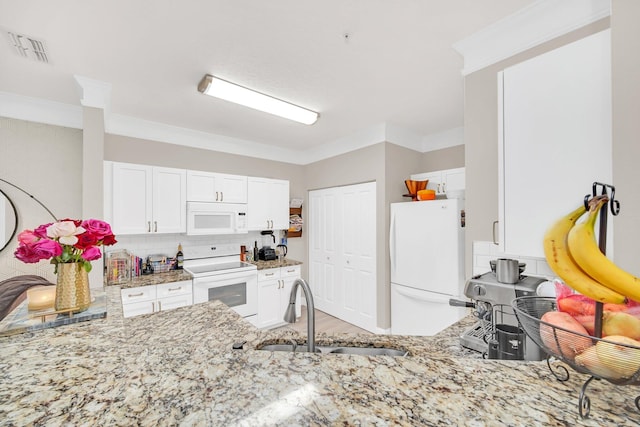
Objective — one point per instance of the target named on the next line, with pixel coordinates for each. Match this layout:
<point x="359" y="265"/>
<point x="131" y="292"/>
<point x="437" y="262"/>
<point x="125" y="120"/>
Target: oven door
<point x="237" y="290"/>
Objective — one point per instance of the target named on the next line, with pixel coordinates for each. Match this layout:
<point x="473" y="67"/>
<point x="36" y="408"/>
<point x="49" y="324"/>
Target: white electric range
<point x="218" y="274"/>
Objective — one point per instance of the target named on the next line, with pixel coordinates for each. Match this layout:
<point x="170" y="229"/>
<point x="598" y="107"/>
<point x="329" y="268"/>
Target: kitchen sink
<point x="362" y="351"/>
<point x="302" y="348"/>
<point x="370" y="351"/>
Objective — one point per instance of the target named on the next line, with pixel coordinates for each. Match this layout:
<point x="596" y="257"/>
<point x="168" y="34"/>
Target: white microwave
<point x="216" y="218"/>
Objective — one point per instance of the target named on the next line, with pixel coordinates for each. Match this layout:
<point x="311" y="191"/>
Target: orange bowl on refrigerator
<point x="426" y="194"/>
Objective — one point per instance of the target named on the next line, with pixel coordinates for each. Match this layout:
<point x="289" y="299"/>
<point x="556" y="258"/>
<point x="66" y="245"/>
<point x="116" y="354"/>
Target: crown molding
<point x="95" y="93"/>
<point x="40" y="110"/>
<point x="537" y="23"/>
<point x="144" y="129"/>
<point x="56" y="113"/>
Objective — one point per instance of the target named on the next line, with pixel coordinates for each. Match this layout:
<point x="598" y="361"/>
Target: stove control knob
<point x="479" y="290"/>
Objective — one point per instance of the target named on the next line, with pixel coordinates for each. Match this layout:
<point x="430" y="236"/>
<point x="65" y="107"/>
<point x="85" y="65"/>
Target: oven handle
<point x="225" y="276"/>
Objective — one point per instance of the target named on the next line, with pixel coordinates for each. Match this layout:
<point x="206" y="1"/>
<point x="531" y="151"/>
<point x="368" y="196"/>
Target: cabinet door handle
<point x="153" y="307"/>
<point x="155" y="226"/>
<point x="216" y="196"/>
<point x="159" y="306"/>
<point x="221" y="196"/>
<point x="148" y="226"/>
<point x="444" y="187"/>
<point x="135" y="295"/>
<point x="271" y="224"/>
<point x="291" y="271"/>
<point x="269" y="274"/>
<point x="495" y="241"/>
<point x="174" y="289"/>
<point x="438" y="189"/>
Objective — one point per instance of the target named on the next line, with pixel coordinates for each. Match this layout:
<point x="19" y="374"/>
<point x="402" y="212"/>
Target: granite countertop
<point x="156" y="279"/>
<point x="286" y="262"/>
<point x="178" y="367"/>
<point x="179" y="275"/>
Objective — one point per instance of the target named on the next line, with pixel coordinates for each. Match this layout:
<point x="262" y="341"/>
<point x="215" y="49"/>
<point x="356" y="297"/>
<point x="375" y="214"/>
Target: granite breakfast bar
<point x="179" y="368"/>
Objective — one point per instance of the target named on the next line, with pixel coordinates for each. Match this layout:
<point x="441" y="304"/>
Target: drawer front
<point x="165" y="290"/>
<point x="138" y="308"/>
<point x="141" y="293"/>
<point x="268" y="274"/>
<point x="291" y="271"/>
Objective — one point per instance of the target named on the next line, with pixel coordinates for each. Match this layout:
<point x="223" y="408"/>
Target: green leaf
<point x="88" y="266"/>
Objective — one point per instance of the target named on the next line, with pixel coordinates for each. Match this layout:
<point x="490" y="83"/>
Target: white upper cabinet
<point x="216" y="187"/>
<point x="554" y="139"/>
<point x="268" y="207"/>
<point x="141" y="199"/>
<point x="443" y="180"/>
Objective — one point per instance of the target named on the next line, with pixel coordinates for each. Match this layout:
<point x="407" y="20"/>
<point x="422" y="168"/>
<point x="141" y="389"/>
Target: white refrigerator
<point x="426" y="242"/>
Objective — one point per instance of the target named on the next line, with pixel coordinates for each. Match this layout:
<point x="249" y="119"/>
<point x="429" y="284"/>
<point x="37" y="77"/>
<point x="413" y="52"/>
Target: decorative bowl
<point x="426" y="194"/>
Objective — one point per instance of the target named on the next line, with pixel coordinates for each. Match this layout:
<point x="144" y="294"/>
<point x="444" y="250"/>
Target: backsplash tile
<point x="483" y="252"/>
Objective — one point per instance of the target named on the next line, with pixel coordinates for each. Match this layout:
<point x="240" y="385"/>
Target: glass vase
<point x="72" y="288"/>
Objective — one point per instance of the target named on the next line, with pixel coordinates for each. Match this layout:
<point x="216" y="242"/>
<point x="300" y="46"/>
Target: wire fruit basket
<point x="616" y="362"/>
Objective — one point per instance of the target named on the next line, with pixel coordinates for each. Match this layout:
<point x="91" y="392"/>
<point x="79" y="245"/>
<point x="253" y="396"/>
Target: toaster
<point x="267" y="253"/>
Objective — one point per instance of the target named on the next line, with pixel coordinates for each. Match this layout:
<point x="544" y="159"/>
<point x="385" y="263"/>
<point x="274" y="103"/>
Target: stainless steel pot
<point x="507" y="270"/>
<point x="493" y="262"/>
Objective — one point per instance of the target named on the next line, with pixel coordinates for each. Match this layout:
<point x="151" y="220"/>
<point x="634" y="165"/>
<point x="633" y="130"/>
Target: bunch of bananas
<point x="573" y="254"/>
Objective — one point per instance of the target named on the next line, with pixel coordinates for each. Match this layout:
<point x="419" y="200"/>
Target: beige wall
<point x="45" y="161"/>
<point x="625" y="56"/>
<point x="445" y="158"/>
<point x="481" y="138"/>
<point x="363" y="165"/>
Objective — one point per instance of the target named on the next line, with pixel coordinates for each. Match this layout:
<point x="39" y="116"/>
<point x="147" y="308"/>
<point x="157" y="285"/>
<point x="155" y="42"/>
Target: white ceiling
<point x="397" y="67"/>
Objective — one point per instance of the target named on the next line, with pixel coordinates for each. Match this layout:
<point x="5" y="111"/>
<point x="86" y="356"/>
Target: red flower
<point x="109" y="240"/>
<point x="86" y="240"/>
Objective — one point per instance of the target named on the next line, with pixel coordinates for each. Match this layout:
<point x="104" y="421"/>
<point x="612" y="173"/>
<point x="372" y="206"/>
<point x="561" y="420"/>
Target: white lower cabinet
<point x="274" y="287"/>
<point x="155" y="298"/>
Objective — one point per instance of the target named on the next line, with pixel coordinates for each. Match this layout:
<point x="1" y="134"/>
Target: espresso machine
<point x="497" y="333"/>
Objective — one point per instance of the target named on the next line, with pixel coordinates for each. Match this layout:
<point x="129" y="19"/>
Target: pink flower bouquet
<point x="65" y="241"/>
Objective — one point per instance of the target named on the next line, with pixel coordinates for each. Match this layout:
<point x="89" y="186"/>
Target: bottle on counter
<point x="179" y="258"/>
<point x="255" y="251"/>
<point x="243" y="253"/>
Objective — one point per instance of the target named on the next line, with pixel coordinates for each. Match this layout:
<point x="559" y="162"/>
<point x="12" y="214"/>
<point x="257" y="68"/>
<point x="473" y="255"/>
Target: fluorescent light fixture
<point x="213" y="86"/>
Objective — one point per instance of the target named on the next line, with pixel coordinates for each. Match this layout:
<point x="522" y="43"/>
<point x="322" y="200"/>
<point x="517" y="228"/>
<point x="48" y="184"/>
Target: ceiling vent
<point x="28" y="47"/>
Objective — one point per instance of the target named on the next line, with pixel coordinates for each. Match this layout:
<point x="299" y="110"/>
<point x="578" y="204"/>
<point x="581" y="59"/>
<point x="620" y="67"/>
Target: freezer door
<point x="421" y="313"/>
<point x="426" y="245"/>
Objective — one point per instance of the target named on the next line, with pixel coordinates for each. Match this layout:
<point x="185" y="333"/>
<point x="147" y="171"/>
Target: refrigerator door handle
<point x="419" y="295"/>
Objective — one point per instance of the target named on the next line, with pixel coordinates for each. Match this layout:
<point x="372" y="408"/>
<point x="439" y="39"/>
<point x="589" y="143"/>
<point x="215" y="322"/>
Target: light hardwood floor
<point x="325" y="323"/>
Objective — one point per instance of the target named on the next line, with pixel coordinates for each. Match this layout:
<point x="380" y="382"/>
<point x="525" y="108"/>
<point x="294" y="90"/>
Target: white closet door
<point x="358" y="260"/>
<point x="322" y="249"/>
<point x="342" y="248"/>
